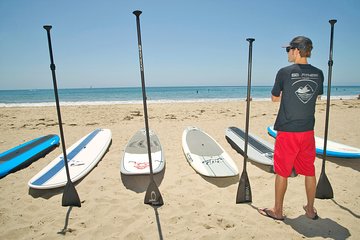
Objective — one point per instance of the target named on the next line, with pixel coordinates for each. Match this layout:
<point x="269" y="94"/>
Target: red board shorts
<point x="294" y="150"/>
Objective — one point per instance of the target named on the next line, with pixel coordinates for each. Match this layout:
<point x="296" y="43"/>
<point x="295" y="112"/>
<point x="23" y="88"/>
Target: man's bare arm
<point x="275" y="99"/>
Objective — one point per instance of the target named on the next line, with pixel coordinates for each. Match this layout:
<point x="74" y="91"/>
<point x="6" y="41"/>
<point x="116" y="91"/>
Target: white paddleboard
<point x="205" y="155"/>
<point x="333" y="149"/>
<point x="259" y="151"/>
<point x="82" y="158"/>
<point x="135" y="160"/>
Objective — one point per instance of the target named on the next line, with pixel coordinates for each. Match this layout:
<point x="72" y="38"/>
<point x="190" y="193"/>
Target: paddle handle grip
<point x="250" y="40"/>
<point x="48" y="28"/>
<point x="332" y="21"/>
<point x="137" y="13"/>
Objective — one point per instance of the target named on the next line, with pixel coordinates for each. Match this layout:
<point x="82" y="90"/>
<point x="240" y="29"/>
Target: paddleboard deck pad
<point x="26" y="153"/>
<point x="205" y="155"/>
<point x="258" y="150"/>
<point x="82" y="158"/>
<point x="135" y="160"/>
<point x="333" y="149"/>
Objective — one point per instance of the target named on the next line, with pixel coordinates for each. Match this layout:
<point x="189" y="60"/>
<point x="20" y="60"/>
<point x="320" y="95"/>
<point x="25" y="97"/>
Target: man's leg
<point x="277" y="211"/>
<point x="310" y="187"/>
<point x="280" y="189"/>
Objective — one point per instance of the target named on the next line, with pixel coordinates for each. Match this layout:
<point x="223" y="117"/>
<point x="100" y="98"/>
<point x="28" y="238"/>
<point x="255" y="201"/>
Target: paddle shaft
<point x="248" y="99"/>
<point x="137" y="14"/>
<point x="52" y="67"/>
<point x="243" y="194"/>
<point x="323" y="188"/>
<point x="330" y="64"/>
<point x="152" y="195"/>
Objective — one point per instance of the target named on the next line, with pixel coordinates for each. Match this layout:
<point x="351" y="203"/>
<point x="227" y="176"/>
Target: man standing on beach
<point x="296" y="87"/>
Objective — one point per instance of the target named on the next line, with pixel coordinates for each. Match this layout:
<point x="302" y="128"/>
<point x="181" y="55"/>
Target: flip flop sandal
<point x="267" y="213"/>
<point x="315" y="217"/>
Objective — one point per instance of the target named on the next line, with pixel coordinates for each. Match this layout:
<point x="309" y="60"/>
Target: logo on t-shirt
<point x="305" y="93"/>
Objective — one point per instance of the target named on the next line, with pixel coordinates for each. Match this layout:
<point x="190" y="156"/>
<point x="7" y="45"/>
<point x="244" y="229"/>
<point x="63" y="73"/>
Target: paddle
<point x="70" y="196"/>
<point x="153" y="195"/>
<point x="244" y="189"/>
<point x="324" y="189"/>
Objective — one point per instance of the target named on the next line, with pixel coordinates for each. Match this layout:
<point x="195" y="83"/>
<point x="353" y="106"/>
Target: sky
<point x="185" y="42"/>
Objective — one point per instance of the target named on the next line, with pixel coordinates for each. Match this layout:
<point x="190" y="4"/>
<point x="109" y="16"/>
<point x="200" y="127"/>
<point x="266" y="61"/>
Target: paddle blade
<point x="324" y="189"/>
<point x="244" y="189"/>
<point x="153" y="196"/>
<point x="70" y="196"/>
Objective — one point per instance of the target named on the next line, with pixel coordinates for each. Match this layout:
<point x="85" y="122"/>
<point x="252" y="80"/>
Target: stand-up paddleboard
<point x="135" y="160"/>
<point x="333" y="149"/>
<point x="205" y="155"/>
<point x="26" y="153"/>
<point x="259" y="150"/>
<point x="82" y="158"/>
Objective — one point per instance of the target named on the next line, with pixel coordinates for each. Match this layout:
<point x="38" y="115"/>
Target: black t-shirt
<point x="299" y="86"/>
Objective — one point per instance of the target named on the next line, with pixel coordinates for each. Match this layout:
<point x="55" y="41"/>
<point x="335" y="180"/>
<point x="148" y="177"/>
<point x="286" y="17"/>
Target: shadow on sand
<point x="221" y="182"/>
<point x="66" y="229"/>
<point x="353" y="163"/>
<point x="322" y="227"/>
<point x="158" y="222"/>
<point x="139" y="183"/>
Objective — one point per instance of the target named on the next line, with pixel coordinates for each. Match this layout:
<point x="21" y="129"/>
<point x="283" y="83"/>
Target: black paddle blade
<point x="70" y="196"/>
<point x="153" y="196"/>
<point x="244" y="189"/>
<point x="324" y="189"/>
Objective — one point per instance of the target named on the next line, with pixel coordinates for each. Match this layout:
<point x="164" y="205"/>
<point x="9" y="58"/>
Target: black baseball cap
<point x="301" y="43"/>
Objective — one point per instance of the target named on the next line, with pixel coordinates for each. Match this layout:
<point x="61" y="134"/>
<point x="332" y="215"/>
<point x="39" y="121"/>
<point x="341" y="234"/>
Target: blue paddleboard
<point x="26" y="153"/>
<point x="333" y="149"/>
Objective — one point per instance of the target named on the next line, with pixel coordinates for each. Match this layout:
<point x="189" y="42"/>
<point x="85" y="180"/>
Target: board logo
<point x="140" y="165"/>
<point x="188" y="156"/>
<point x="212" y="160"/>
<point x="305" y="93"/>
<point x="153" y="196"/>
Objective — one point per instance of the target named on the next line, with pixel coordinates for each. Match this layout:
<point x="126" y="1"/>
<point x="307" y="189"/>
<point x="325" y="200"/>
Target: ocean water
<point x="92" y="96"/>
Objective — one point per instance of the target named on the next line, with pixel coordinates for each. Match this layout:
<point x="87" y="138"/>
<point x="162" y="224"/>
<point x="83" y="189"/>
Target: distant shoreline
<point x="97" y="103"/>
<point x="133" y="95"/>
<point x="137" y="87"/>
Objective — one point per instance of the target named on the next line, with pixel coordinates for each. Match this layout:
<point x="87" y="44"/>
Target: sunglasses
<point x="289" y="48"/>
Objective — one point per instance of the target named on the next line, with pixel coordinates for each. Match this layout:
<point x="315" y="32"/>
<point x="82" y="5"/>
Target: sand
<point x="195" y="207"/>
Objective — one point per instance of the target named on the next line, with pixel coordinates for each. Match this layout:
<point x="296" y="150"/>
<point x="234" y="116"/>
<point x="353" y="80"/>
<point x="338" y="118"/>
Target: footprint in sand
<point x="128" y="118"/>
